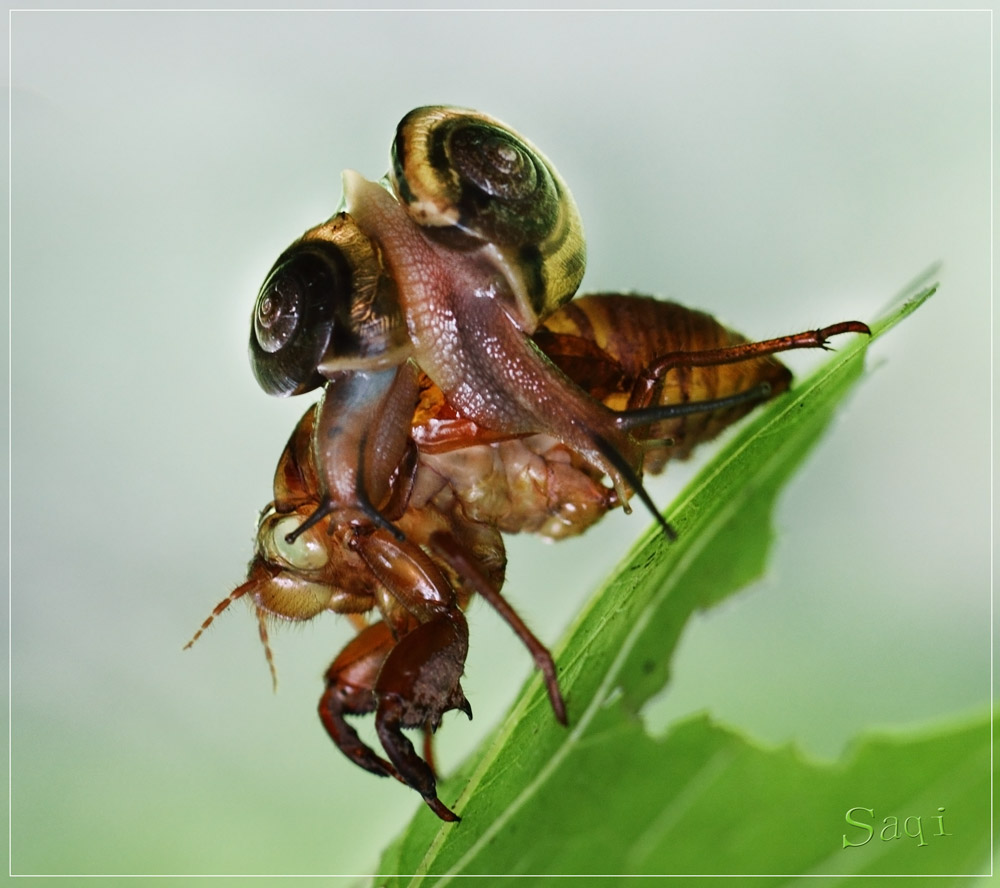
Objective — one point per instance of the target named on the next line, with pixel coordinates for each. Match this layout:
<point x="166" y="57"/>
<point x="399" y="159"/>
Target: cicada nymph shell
<point x="464" y="396"/>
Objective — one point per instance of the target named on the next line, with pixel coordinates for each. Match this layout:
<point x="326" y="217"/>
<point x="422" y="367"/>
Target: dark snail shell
<point x="326" y="304"/>
<point x="295" y="317"/>
<point x="454" y="168"/>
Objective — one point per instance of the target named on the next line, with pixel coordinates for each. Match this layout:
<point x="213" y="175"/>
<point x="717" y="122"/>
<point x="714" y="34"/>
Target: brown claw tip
<point x="852" y="327"/>
<point x="839" y="329"/>
<point x="559" y="708"/>
<point x="439" y="808"/>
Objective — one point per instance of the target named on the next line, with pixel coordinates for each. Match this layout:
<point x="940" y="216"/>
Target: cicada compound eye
<point x="295" y="317"/>
<point x="308" y="552"/>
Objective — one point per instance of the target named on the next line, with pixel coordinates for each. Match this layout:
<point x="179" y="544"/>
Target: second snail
<point x="464" y="396"/>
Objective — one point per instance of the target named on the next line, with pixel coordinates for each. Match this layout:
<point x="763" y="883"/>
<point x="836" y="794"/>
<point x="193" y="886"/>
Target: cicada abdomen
<point x="634" y="352"/>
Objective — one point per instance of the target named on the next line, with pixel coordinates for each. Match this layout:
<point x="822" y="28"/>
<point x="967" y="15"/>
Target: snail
<point x="328" y="314"/>
<point x="483" y="240"/>
<point x="327" y="304"/>
<point x="471" y="182"/>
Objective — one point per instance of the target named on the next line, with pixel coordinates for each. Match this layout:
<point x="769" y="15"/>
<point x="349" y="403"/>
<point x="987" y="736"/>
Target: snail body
<point x="328" y="314"/>
<point x="479" y="258"/>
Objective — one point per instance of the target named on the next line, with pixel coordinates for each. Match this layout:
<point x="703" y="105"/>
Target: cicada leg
<point x="428" y="750"/>
<point x="417" y="683"/>
<point x="460" y="560"/>
<point x="350" y="683"/>
<point x="406" y="672"/>
<point x="643" y="391"/>
<point x="419" y="679"/>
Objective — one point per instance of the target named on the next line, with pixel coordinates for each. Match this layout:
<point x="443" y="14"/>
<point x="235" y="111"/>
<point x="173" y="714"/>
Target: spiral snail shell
<point x="461" y="171"/>
<point x="326" y="304"/>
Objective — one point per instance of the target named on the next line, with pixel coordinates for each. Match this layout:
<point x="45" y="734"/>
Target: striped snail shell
<point x="464" y="175"/>
<point x="326" y="304"/>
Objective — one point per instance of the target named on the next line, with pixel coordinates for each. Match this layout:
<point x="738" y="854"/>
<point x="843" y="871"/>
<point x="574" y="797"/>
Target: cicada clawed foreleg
<point x="407" y="669"/>
<point x="373" y="674"/>
<point x="407" y="683"/>
<point x="350" y="684"/>
<point x="418" y="682"/>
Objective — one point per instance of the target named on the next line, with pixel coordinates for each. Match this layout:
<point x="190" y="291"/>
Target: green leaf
<point x="603" y="796"/>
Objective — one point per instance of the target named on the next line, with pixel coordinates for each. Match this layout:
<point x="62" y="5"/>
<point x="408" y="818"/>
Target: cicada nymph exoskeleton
<point x="464" y="396"/>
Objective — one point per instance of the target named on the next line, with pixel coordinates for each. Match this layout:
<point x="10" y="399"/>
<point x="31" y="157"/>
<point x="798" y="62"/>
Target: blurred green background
<point x="782" y="171"/>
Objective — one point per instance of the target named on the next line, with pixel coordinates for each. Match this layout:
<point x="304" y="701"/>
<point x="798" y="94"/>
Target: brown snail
<point x="328" y="314"/>
<point x="326" y="305"/>
<point x="471" y="304"/>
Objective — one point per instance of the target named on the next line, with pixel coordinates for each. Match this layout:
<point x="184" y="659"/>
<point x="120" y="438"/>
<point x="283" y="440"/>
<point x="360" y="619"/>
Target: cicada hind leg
<point x="684" y="397"/>
<point x="652" y="377"/>
<point x="461" y="560"/>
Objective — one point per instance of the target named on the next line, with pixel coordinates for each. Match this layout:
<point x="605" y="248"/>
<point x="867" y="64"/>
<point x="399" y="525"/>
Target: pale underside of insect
<point x="463" y="397"/>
